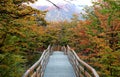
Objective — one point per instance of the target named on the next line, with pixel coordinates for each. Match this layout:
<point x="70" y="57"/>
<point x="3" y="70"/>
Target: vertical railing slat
<point x="37" y="70"/>
<point x="80" y="67"/>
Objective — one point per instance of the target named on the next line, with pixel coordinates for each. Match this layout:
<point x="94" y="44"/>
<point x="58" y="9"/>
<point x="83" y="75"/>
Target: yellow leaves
<point x="99" y="40"/>
<point x="24" y="45"/>
<point x="116" y="56"/>
<point x="25" y="9"/>
<point x="4" y="67"/>
<point x="30" y="18"/>
<point x="102" y="34"/>
<point x="6" y="4"/>
<point x="7" y="48"/>
<point x="15" y="31"/>
<point x="37" y="29"/>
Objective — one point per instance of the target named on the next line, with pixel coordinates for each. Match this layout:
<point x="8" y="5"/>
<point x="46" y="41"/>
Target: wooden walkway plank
<point x="59" y="66"/>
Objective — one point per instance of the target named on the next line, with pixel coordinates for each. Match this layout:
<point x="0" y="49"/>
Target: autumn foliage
<point x="24" y="33"/>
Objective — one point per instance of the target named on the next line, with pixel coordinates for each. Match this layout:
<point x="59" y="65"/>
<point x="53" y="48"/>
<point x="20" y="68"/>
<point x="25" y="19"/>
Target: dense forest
<point x="24" y="33"/>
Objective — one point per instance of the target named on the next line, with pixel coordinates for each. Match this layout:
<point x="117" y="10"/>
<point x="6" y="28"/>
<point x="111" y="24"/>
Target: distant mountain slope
<point x="64" y="13"/>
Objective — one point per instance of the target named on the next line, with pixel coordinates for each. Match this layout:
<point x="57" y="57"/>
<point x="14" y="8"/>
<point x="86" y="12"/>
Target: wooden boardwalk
<point x="59" y="66"/>
<point x="56" y="64"/>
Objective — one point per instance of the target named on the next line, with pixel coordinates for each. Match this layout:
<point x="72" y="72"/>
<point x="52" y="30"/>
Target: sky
<point x="76" y="2"/>
<point x="77" y="8"/>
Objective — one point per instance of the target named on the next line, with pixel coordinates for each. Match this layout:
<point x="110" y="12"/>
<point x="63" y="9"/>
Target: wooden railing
<point x="81" y="68"/>
<point x="37" y="70"/>
<point x="63" y="49"/>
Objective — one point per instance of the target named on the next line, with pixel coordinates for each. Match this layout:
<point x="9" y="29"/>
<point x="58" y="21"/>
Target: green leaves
<point x="104" y="11"/>
<point x="9" y="64"/>
<point x="17" y="38"/>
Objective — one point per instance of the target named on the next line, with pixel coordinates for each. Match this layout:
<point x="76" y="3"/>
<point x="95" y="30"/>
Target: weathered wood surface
<point x="37" y="70"/>
<point x="81" y="68"/>
<point x="59" y="66"/>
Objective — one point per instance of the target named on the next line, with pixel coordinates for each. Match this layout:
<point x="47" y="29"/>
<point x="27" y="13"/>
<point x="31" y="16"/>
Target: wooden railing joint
<point x="81" y="68"/>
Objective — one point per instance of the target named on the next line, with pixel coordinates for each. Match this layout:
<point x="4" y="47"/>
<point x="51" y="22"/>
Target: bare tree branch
<point x="54" y="4"/>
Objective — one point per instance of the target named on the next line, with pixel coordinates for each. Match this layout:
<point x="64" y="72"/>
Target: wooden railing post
<point x="37" y="70"/>
<point x="81" y="68"/>
<point x="64" y="50"/>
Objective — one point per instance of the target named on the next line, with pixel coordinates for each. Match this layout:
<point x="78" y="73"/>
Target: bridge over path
<point x="64" y="63"/>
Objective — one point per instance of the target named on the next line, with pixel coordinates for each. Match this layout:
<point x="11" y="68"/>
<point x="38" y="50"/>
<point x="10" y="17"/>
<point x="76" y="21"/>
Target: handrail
<point x="81" y="68"/>
<point x="37" y="70"/>
<point x="64" y="50"/>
